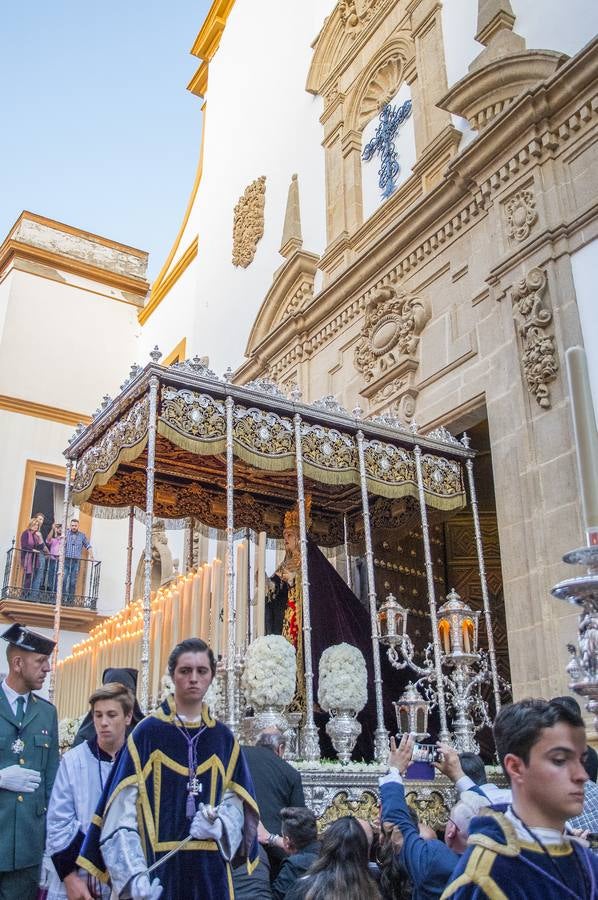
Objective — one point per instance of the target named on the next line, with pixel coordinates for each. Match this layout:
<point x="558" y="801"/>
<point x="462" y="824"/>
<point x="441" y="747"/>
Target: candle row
<point x="194" y="605"/>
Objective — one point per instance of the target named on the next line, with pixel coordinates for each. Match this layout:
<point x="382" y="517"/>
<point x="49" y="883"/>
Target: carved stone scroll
<point x="248" y="222"/>
<point x="393" y="323"/>
<point x="538" y="353"/>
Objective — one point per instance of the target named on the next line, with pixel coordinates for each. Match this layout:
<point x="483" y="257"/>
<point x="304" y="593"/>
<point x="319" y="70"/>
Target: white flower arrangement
<point x="270" y="672"/>
<point x="332" y="765"/>
<point x="215" y="697"/>
<point x="67" y="729"/>
<point x="343" y="683"/>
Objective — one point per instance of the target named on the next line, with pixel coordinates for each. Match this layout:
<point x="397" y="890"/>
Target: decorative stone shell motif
<point x="248" y="222"/>
<point x="393" y="322"/>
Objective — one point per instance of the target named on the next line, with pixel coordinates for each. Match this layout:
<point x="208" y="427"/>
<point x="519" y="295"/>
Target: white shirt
<point x="491" y="791"/>
<point x="545" y="835"/>
<point x="12" y="697"/>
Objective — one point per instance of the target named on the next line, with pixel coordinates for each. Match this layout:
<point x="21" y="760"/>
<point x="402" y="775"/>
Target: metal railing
<point x="33" y="575"/>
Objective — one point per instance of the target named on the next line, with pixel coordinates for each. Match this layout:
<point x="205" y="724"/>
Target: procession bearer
<point x="28" y="762"/>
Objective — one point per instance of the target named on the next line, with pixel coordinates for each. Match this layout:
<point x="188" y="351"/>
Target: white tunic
<point x="74" y="799"/>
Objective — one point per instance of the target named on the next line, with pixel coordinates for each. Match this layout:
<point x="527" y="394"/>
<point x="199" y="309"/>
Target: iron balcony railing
<point x="33" y="575"/>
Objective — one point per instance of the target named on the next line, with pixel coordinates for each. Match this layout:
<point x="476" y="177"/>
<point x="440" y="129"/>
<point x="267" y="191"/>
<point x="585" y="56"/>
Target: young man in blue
<point x="524" y="853"/>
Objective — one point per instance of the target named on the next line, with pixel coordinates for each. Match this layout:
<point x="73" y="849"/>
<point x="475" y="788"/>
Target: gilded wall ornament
<point x="520" y="210"/>
<point x="248" y="222"/>
<point x="539" y="356"/>
<point x="393" y="323"/>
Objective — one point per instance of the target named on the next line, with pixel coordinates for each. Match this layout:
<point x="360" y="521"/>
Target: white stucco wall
<point x="63" y="345"/>
<point x="545" y="24"/>
<point x="585" y="265"/>
<point x="259" y="121"/>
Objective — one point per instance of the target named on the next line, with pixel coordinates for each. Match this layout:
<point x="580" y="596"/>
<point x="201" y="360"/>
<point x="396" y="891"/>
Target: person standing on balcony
<point x="28" y="761"/>
<point x="32" y="547"/>
<point x="76" y="542"/>
<point x="53" y="542"/>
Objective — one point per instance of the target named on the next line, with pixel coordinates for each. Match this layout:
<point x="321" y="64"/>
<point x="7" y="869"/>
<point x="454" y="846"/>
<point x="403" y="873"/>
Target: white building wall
<point x="172" y="320"/>
<point x="63" y="344"/>
<point x="259" y="121"/>
<point x="585" y="265"/>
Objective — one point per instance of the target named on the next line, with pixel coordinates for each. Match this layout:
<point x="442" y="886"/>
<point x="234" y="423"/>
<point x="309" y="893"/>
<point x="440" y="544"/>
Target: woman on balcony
<point x="32" y="556"/>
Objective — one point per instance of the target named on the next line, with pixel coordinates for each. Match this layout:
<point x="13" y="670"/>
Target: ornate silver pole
<point x="381" y="734"/>
<point x="483" y="579"/>
<point x="59" y="578"/>
<point x="128" y="581"/>
<point x="149" y="522"/>
<point x="444" y="732"/>
<point x="231" y="718"/>
<point x="311" y="744"/>
<point x="347" y="554"/>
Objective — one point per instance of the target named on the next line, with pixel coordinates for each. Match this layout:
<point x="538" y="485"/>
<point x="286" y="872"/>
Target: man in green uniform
<point x="28" y="762"/>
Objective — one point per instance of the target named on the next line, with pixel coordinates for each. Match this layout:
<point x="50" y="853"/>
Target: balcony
<point x="28" y="593"/>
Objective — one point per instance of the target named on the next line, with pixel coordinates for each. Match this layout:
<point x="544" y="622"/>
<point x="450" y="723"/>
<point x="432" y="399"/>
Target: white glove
<point x="205" y="825"/>
<point x="16" y="778"/>
<point x="141" y="889"/>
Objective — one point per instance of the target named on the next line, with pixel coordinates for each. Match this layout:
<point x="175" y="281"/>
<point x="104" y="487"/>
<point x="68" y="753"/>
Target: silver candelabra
<point x="463" y="669"/>
<point x="582" y="591"/>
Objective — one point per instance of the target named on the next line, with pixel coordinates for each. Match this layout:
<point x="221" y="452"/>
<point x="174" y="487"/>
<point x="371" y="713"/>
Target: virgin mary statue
<point x="336" y="616"/>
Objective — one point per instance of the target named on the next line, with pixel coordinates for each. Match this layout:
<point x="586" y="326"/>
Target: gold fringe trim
<point x="127" y="454"/>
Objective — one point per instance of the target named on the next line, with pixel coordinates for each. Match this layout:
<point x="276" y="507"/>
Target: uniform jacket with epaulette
<point x="23" y="816"/>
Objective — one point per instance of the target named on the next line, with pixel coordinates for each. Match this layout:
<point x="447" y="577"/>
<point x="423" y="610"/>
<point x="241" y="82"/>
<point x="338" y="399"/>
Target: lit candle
<point x="241" y="598"/>
<point x="176" y="617"/>
<point x="204" y="629"/>
<point x="586" y="438"/>
<point x="260" y="564"/>
<point x="155" y="654"/>
<point x="187" y="596"/>
<point x="195" y="622"/>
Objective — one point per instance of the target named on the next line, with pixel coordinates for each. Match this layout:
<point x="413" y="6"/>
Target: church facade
<point x="449" y="300"/>
<point x="396" y="205"/>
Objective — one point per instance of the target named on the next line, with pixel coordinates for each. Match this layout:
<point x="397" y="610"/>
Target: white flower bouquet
<point x="67" y="729"/>
<point x="343" y="683"/>
<point x="214" y="697"/>
<point x="270" y="672"/>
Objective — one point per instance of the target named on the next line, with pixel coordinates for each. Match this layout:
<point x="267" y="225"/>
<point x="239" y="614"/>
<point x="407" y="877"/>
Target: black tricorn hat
<point x="22" y="637"/>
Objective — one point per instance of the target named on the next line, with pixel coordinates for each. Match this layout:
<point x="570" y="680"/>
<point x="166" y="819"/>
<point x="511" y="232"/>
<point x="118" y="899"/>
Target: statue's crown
<point x="291" y="517"/>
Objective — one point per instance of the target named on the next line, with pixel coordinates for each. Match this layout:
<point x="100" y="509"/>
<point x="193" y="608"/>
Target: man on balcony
<point x="76" y="542"/>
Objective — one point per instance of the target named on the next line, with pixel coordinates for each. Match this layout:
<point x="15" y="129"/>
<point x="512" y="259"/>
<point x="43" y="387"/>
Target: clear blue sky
<point x="98" y="129"/>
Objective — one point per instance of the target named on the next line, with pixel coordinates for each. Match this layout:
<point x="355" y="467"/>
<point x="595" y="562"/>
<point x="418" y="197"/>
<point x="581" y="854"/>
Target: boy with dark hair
<point x="300" y="838"/>
<point x="524" y="853"/>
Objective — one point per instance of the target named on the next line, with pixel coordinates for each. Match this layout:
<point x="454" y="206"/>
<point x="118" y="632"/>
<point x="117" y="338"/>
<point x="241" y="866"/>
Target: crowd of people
<point x="39" y="556"/>
<point x="169" y="805"/>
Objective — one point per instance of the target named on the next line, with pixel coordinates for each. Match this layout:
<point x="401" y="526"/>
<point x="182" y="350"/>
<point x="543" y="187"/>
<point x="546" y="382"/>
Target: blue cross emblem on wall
<point x="384" y="143"/>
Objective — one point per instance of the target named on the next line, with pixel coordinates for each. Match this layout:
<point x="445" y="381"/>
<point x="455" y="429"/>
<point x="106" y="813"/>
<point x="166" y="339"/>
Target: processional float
<point x="179" y="442"/>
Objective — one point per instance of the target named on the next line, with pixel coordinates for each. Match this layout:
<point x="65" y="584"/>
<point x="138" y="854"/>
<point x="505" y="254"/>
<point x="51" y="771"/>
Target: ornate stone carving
<point x="356" y="13"/>
<point x="393" y="323"/>
<point x="248" y="222"/>
<point x="300" y="299"/>
<point x="520" y="211"/>
<point x="539" y="356"/>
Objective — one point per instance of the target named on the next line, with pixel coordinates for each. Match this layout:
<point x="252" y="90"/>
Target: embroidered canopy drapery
<point x="110" y="455"/>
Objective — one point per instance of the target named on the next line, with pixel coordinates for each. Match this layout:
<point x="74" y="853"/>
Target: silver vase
<point x="269" y="717"/>
<point x="343" y="729"/>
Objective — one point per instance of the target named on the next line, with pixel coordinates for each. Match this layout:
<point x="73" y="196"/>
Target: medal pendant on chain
<point x="195" y="787"/>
